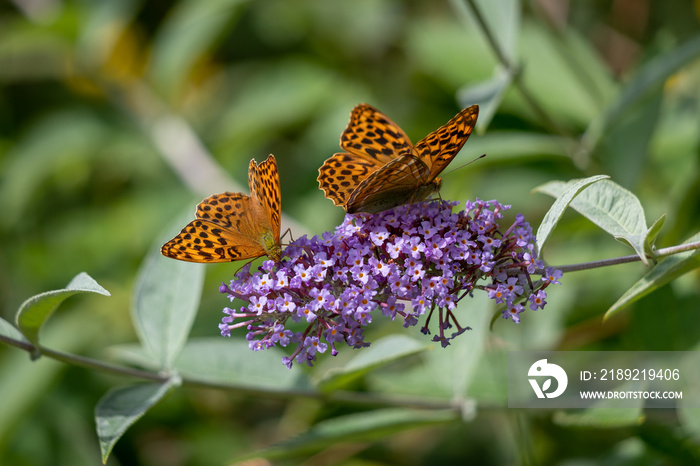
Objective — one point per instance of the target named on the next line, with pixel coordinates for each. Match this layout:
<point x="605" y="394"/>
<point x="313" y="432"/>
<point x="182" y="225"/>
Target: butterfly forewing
<point x="372" y="134"/>
<point x="265" y="191"/>
<point x="442" y="145"/>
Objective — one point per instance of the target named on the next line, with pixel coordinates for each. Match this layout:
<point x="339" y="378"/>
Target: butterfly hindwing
<point x="206" y="241"/>
<point x="342" y="173"/>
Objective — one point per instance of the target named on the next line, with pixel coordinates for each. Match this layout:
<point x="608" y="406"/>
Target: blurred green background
<point x="117" y="117"/>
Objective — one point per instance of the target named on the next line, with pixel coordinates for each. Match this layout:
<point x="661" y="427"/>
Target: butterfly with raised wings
<point x="381" y="169"/>
<point x="233" y="226"/>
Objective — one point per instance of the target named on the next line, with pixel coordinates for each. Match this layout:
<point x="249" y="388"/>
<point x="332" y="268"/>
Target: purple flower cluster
<point x="408" y="261"/>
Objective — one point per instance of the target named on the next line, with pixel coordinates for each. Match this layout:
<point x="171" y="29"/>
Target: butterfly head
<point x="271" y="246"/>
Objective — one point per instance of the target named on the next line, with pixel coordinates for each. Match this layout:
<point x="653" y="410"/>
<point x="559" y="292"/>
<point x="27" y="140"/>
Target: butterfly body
<point x="382" y="169"/>
<point x="233" y="226"/>
<point x="394" y="194"/>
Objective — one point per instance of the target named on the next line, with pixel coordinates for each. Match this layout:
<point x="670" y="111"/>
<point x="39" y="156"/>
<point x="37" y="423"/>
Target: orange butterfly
<point x="233" y="226"/>
<point x="382" y="169"/>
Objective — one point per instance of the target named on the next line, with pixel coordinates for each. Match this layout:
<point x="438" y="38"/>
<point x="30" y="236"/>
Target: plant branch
<point x="516" y="73"/>
<point x="82" y="361"/>
<point x="356" y="398"/>
<point x="625" y="259"/>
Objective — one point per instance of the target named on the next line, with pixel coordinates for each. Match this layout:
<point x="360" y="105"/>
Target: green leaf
<point x="103" y="25"/>
<point x="36" y="51"/>
<point x="623" y="150"/>
<point x="487" y="94"/>
<point x="568" y="192"/>
<point x="441" y="49"/>
<point x="689" y="417"/>
<point x="674" y="444"/>
<point x="231" y="363"/>
<point x="10" y="331"/>
<point x="666" y="270"/>
<point x="653" y="74"/>
<point x="652" y="233"/>
<point x="284" y="92"/>
<point x="444" y="373"/>
<point x="25" y="387"/>
<point x="564" y="73"/>
<point x="650" y="77"/>
<point x="362" y="427"/>
<point x="58" y="142"/>
<point x="453" y="369"/>
<point x="601" y="417"/>
<point x="133" y="354"/>
<point x="502" y="19"/>
<point x="120" y="408"/>
<point x="166" y="300"/>
<point x="516" y="145"/>
<point x="189" y="31"/>
<point x="605" y="414"/>
<point x="382" y="352"/>
<point x="688" y="409"/>
<point x="489" y="381"/>
<point x="36" y="310"/>
<point x="611" y="207"/>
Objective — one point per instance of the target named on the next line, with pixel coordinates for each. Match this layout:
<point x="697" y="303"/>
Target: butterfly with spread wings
<point x="233" y="226"/>
<point x="381" y="169"/>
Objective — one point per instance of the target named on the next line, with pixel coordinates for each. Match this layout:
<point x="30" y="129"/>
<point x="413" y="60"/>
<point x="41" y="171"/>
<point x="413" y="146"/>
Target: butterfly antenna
<point x="305" y="248"/>
<point x="465" y="164"/>
<point x="288" y="231"/>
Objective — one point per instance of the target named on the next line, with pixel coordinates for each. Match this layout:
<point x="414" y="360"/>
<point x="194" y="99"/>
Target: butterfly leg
<point x="244" y="265"/>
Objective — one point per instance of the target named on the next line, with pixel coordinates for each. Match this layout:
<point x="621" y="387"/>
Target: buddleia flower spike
<point x="404" y="263"/>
